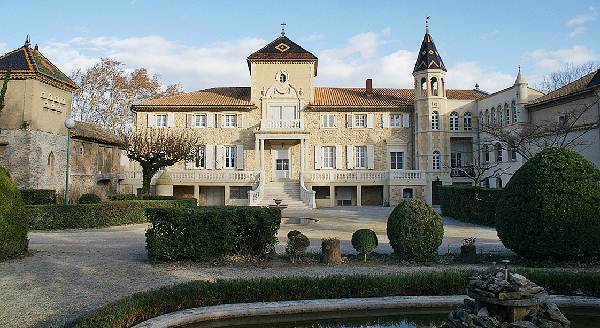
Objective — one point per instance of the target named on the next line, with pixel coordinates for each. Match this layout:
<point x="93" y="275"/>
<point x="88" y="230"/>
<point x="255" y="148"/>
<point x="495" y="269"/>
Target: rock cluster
<point x="517" y="287"/>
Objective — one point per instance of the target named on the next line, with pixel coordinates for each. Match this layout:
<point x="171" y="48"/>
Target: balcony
<point x="399" y="177"/>
<point x="462" y="172"/>
<point x="202" y="176"/>
<point x="277" y="125"/>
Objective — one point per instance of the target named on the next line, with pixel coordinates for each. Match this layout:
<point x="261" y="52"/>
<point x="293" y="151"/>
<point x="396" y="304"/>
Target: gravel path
<point x="71" y="272"/>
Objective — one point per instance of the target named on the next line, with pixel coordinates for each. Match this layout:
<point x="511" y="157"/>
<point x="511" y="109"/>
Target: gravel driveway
<point x="71" y="272"/>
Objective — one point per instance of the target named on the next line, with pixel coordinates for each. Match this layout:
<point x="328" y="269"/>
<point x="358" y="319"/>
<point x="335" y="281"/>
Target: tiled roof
<point x="429" y="57"/>
<point x="214" y="97"/>
<point x="95" y="133"/>
<point x="586" y="82"/>
<point x="282" y="48"/>
<point x="25" y="60"/>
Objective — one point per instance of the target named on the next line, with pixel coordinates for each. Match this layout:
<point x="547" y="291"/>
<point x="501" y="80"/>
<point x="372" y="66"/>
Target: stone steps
<point x="288" y="192"/>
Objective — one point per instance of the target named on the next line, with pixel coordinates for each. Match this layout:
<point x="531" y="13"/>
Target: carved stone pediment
<point x="282" y="90"/>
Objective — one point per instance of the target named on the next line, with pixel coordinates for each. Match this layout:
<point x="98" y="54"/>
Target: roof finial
<point x="27" y="42"/>
<point x="427" y="25"/>
<point x="36" y="47"/>
<point x="283" y="28"/>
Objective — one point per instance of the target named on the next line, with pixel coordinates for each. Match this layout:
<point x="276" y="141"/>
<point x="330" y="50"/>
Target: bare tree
<point x="107" y="92"/>
<point x="4" y="88"/>
<point x="566" y="75"/>
<point x="478" y="171"/>
<point x="155" y="149"/>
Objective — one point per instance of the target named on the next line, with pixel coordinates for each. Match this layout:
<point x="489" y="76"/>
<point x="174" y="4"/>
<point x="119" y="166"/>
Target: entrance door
<point x="282" y="164"/>
<point x="435" y="192"/>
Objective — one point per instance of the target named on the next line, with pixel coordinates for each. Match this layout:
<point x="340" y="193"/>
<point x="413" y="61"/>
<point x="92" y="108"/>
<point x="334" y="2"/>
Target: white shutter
<point x="189" y="120"/>
<point x="371" y="157"/>
<point x="219" y="157"/>
<point x="385" y="120"/>
<point x="333" y="120"/>
<point x="370" y="120"/>
<point x="338" y="157"/>
<point x="350" y="157"/>
<point x="349" y="121"/>
<point x="239" y="157"/>
<point x="210" y="120"/>
<point x="318" y="160"/>
<point x="170" y="120"/>
<point x="240" y="120"/>
<point x="405" y="120"/>
<point x="210" y="158"/>
<point x="151" y="120"/>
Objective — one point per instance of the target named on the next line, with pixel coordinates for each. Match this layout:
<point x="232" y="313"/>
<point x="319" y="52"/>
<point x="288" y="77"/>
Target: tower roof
<point x="520" y="78"/>
<point x="282" y="48"/>
<point x="428" y="58"/>
<point x="26" y="62"/>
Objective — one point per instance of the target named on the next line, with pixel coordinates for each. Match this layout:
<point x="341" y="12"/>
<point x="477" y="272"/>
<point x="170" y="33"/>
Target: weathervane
<point x="283" y="28"/>
<point x="427" y="25"/>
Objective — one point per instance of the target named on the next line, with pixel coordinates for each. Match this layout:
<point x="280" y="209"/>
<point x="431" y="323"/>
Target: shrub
<point x="415" y="230"/>
<point x="297" y="245"/>
<point x="140" y="197"/>
<point x="470" y="204"/>
<point x="206" y="233"/>
<point x="85" y="216"/>
<point x="13" y="224"/>
<point x="551" y="207"/>
<point x="364" y="241"/>
<point x="38" y="196"/>
<point x="89" y="199"/>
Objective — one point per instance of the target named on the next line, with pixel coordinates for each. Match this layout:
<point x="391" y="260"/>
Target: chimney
<point x="369" y="88"/>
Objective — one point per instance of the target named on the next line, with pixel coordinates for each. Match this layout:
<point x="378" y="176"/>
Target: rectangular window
<point x="397" y="160"/>
<point x="498" y="153"/>
<point x="360" y="120"/>
<point x="455" y="159"/>
<point x="562" y="120"/>
<point x="230" y="121"/>
<point x="361" y="157"/>
<point x="282" y="164"/>
<point x="230" y="152"/>
<point x="328" y="121"/>
<point x="199" y="121"/>
<point x="200" y="158"/>
<point x="239" y="192"/>
<point x="328" y="157"/>
<point x="513" y="155"/>
<point x="161" y="120"/>
<point x="395" y="120"/>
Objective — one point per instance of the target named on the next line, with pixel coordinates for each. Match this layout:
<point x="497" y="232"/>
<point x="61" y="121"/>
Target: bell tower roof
<point x="428" y="58"/>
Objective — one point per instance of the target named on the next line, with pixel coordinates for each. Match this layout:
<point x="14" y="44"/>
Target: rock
<point x="535" y="289"/>
<point x="483" y="312"/>
<point x="519" y="279"/>
<point x="554" y="313"/>
<point x="522" y="324"/>
<point x="483" y="293"/>
<point x="503" y="296"/>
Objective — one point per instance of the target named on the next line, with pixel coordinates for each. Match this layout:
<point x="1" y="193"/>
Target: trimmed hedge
<point x="143" y="306"/>
<point x="13" y="222"/>
<point x="470" y="204"/>
<point x="89" y="199"/>
<point x="38" y="196"/>
<point x="146" y="305"/>
<point x="52" y="217"/>
<point x="364" y="241"/>
<point x="140" y="197"/>
<point x="415" y="230"/>
<point x="551" y="208"/>
<point x="206" y="233"/>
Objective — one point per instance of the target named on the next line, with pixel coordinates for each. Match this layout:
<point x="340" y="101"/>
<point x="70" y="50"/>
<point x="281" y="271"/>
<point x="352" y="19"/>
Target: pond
<point x="422" y="318"/>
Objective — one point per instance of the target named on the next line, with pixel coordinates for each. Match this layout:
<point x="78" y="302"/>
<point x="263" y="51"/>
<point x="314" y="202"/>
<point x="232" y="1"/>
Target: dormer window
<point x="282" y="77"/>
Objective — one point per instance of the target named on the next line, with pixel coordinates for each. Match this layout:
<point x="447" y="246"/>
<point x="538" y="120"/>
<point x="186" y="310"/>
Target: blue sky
<point x="204" y="43"/>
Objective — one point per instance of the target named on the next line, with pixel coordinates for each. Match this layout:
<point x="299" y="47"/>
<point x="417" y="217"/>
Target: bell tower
<point x="432" y="142"/>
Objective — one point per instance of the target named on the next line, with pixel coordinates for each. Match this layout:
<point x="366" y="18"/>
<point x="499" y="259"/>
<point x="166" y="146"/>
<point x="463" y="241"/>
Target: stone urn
<point x="277" y="201"/>
<point x="468" y="250"/>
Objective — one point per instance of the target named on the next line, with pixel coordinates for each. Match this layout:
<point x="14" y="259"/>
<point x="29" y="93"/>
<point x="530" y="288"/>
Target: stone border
<point x="230" y="311"/>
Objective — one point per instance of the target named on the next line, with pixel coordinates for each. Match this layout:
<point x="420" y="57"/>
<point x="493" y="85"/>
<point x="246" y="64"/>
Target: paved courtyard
<point x="74" y="271"/>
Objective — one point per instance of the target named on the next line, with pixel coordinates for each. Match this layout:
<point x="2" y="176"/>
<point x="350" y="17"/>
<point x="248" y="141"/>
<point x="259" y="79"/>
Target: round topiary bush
<point x="297" y="245"/>
<point x="364" y="241"/>
<point x="13" y="219"/>
<point x="89" y="199"/>
<point x="550" y="208"/>
<point x="415" y="230"/>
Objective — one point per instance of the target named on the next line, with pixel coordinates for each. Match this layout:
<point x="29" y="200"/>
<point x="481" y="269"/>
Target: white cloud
<point x="550" y="60"/>
<point x="577" y="23"/>
<point x="466" y="74"/>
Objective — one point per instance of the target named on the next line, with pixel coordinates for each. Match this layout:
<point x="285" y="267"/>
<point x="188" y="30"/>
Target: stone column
<point x="257" y="155"/>
<point x="332" y="195"/>
<point x="226" y="200"/>
<point x="197" y="194"/>
<point x="358" y="195"/>
<point x="301" y="155"/>
<point x="262" y="154"/>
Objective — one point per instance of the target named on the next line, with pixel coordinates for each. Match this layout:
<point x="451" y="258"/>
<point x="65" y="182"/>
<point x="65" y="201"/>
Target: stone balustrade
<point x="296" y="124"/>
<point x="395" y="177"/>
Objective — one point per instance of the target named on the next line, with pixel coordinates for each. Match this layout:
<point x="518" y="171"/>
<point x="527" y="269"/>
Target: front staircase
<point x="288" y="191"/>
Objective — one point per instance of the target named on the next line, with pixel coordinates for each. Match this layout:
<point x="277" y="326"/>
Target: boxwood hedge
<point x="13" y="222"/>
<point x="470" y="204"/>
<point x="38" y="196"/>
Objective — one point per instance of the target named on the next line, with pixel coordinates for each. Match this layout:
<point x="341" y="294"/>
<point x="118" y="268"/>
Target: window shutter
<point x="322" y="120"/>
<point x="349" y="121"/>
<point x="333" y="120"/>
<point x="350" y="157"/>
<point x="239" y="157"/>
<point x="189" y="120"/>
<point x="210" y="158"/>
<point x="219" y="157"/>
<point x="370" y="121"/>
<point x="170" y="120"/>
<point x="210" y="120"/>
<point x="318" y="160"/>
<point x="385" y="120"/>
<point x="151" y="120"/>
<point x="371" y="157"/>
<point x="240" y="120"/>
<point x="405" y="120"/>
<point x="338" y="157"/>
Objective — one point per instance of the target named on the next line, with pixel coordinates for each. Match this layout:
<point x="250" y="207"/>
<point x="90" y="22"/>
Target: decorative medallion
<point x="282" y="47"/>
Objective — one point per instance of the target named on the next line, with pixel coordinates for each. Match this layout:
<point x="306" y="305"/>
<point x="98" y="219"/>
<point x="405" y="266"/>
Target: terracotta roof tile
<point x="582" y="84"/>
<point x="227" y="96"/>
<point x="95" y="133"/>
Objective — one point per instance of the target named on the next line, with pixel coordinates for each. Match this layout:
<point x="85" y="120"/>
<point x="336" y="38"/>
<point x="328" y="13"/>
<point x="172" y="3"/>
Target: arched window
<point x="498" y="152"/>
<point x="434" y="86"/>
<point x="487" y="117"/>
<point x="493" y="117"/>
<point x="499" y="113"/>
<point x="513" y="108"/>
<point x="50" y="166"/>
<point x="468" y="122"/>
<point x="498" y="183"/>
<point x="436" y="163"/>
<point x="454" y="121"/>
<point x="486" y="153"/>
<point x="424" y="87"/>
<point x="282" y="77"/>
<point x="435" y="120"/>
<point x="506" y="114"/>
